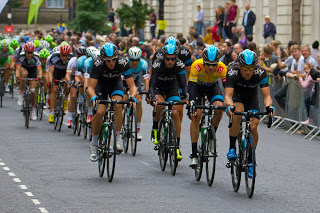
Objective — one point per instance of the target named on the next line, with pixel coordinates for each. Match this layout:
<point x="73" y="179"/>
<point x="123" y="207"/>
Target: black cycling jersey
<point x="163" y="77"/>
<point x="60" y="67"/>
<point x="184" y="55"/>
<point x="32" y="63"/>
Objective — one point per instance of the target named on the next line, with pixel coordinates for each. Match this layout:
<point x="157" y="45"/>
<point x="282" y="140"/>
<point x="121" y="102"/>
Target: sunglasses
<point x="64" y="55"/>
<point x="29" y="52"/>
<point x="111" y="59"/>
<point x="170" y="59"/>
<point x="247" y="68"/>
<point x="210" y="64"/>
<point x="134" y="60"/>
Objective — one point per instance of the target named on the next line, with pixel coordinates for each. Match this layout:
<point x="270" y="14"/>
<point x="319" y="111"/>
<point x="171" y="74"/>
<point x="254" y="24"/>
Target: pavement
<point x="42" y="170"/>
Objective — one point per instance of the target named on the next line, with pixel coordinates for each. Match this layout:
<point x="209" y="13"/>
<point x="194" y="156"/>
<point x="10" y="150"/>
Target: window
<point x="55" y="3"/>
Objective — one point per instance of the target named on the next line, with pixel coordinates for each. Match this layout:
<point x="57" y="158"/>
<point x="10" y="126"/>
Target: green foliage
<point x="16" y="3"/>
<point x="137" y="14"/>
<point x="90" y="14"/>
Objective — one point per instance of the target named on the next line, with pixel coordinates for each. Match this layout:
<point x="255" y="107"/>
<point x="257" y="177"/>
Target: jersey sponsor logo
<point x="110" y="75"/>
<point x="180" y="64"/>
<point x="258" y="72"/>
<point x="224" y="80"/>
<point x="220" y="69"/>
<point x="197" y="67"/>
<point x="184" y="52"/>
<point x="123" y="62"/>
<point x="232" y="72"/>
<point x="166" y="78"/>
<point x="97" y="63"/>
<point x="159" y="55"/>
<point x="156" y="65"/>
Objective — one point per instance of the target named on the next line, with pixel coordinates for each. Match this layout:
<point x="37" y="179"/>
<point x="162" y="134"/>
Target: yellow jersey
<point x="199" y="75"/>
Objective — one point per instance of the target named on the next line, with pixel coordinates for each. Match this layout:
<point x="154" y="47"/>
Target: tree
<point x="295" y="21"/>
<point x="90" y="14"/>
<point x="136" y="14"/>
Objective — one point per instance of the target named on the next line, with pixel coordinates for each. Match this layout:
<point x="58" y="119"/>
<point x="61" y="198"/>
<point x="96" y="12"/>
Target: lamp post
<point x="161" y="15"/>
<point x="9" y="14"/>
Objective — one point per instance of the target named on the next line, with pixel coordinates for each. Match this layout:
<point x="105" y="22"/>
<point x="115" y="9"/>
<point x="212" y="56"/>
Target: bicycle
<point x="12" y="82"/>
<point x="59" y="109"/>
<point x="167" y="137"/>
<point x="245" y="146"/>
<point x="26" y="106"/>
<point x="207" y="149"/>
<point x="41" y="100"/>
<point x="2" y="90"/>
<point x="107" y="146"/>
<point x="77" y="114"/>
<point x="129" y="129"/>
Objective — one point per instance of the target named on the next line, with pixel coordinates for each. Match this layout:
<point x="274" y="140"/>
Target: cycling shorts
<point x="213" y="93"/>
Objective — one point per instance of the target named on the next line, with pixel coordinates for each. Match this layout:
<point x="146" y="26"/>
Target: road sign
<point x="8" y="29"/>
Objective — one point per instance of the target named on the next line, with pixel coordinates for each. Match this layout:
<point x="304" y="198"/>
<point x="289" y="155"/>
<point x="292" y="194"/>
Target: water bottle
<point x="105" y="128"/>
<point x="242" y="143"/>
<point x="203" y="133"/>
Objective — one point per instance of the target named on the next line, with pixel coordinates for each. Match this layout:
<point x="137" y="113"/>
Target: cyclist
<point x="5" y="59"/>
<point x="57" y="71"/>
<point x="241" y="94"/>
<point x="14" y="43"/>
<point x="43" y="44"/>
<point x="55" y="50"/>
<point x="49" y="39"/>
<point x="203" y="81"/>
<point x="166" y="73"/>
<point x="44" y="54"/>
<point x="106" y="79"/>
<point x="28" y="65"/>
<point x="139" y="68"/>
<point x="74" y="71"/>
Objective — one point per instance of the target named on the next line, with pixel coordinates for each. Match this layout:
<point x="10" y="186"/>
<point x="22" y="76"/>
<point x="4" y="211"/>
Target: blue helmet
<point x="108" y="50"/>
<point x="170" y="49"/>
<point x="211" y="53"/>
<point x="172" y="40"/>
<point x="248" y="57"/>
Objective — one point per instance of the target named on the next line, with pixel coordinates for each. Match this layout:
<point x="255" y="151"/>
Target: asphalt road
<point x="42" y="170"/>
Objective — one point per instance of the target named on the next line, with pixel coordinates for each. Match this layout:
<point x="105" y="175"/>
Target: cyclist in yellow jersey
<point x="203" y="81"/>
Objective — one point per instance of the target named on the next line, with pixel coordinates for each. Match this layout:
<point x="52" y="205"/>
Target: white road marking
<point x="17" y="180"/>
<point x="2" y="164"/>
<point x="43" y="210"/>
<point x="11" y="174"/>
<point x="35" y="201"/>
<point x="30" y="194"/>
<point x="6" y="168"/>
<point x="23" y="187"/>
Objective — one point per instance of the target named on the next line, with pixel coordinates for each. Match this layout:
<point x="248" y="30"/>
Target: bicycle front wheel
<point x="75" y="122"/>
<point x="61" y="112"/>
<point x="211" y="154"/>
<point x="250" y="161"/>
<point x="101" y="154"/>
<point x="133" y="132"/>
<point x="162" y="149"/>
<point x="125" y="129"/>
<point x="111" y="151"/>
<point x="172" y="148"/>
<point x="27" y="111"/>
<point x="236" y="166"/>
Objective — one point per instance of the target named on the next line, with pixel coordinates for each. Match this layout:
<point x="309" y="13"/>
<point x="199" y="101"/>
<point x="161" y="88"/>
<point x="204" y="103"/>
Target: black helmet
<point x="81" y="51"/>
<point x="108" y="50"/>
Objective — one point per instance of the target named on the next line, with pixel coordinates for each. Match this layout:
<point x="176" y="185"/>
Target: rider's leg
<point x="139" y="111"/>
<point x="53" y="97"/>
<point x="217" y="115"/>
<point x="234" y="130"/>
<point x="194" y="132"/>
<point x="97" y="124"/>
<point x="72" y="101"/>
<point x="254" y="122"/>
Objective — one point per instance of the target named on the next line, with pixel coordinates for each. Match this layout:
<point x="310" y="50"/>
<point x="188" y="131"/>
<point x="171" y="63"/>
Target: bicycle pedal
<point x="228" y="165"/>
<point x="156" y="148"/>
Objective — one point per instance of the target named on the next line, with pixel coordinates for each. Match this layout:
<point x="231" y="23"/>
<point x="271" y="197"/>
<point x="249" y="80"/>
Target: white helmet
<point x="56" y="49"/>
<point x="44" y="44"/>
<point x="90" y="51"/>
<point x="135" y="53"/>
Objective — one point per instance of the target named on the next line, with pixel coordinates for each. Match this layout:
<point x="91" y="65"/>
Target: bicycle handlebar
<point x="210" y="107"/>
<point x="28" y="79"/>
<point x="251" y="114"/>
<point x="171" y="103"/>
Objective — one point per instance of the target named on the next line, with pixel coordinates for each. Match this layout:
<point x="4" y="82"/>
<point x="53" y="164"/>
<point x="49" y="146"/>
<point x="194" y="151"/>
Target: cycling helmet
<point x="211" y="53"/>
<point x="170" y="49"/>
<point x="29" y="46"/>
<point x="44" y="53"/>
<point x="248" y="57"/>
<point x="49" y="38"/>
<point x="90" y="51"/>
<point x="44" y="44"/>
<point x="65" y="49"/>
<point x="4" y="43"/>
<point x="109" y="50"/>
<point x="55" y="50"/>
<point x="14" y="43"/>
<point x="82" y="41"/>
<point x="172" y="40"/>
<point x="135" y="53"/>
<point x="36" y="42"/>
<point x="96" y="54"/>
<point x="81" y="51"/>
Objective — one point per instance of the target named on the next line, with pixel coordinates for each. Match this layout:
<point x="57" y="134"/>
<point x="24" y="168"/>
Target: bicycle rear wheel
<point x="125" y="129"/>
<point x="172" y="148"/>
<point x="133" y="132"/>
<point x="199" y="168"/>
<point x="61" y="111"/>
<point x="211" y="155"/>
<point x="249" y="144"/>
<point x="75" y="122"/>
<point x="162" y="149"/>
<point x="27" y="111"/>
<point x="1" y="90"/>
<point x="56" y="118"/>
<point x="11" y="83"/>
<point x="111" y="151"/>
<point x="79" y="124"/>
<point x="236" y="166"/>
<point x="101" y="153"/>
<point x="85" y="125"/>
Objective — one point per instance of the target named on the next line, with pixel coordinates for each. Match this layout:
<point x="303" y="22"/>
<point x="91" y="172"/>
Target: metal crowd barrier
<point x="295" y="112"/>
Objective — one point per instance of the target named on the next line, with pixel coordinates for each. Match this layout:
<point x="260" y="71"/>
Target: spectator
<point x="219" y="21"/>
<point x="194" y="39"/>
<point x="111" y="15"/>
<point x="225" y="21"/>
<point x="275" y="45"/>
<point x="305" y="84"/>
<point x="214" y="34"/>
<point x="226" y="51"/>
<point x="209" y="38"/>
<point x="249" y="18"/>
<point x="288" y="61"/>
<point x="269" y="30"/>
<point x="193" y="53"/>
<point x="315" y="50"/>
<point x="249" y="39"/>
<point x="233" y="16"/>
<point x="234" y="36"/>
<point x="234" y="57"/>
<point x="252" y="46"/>
<point x="237" y="48"/>
<point x="269" y="58"/>
<point x="306" y="53"/>
<point x="296" y="68"/>
<point x="183" y="42"/>
<point x="135" y="41"/>
<point x="199" y="20"/>
<point x="146" y="52"/>
<point x="179" y="35"/>
<point x="153" y="23"/>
